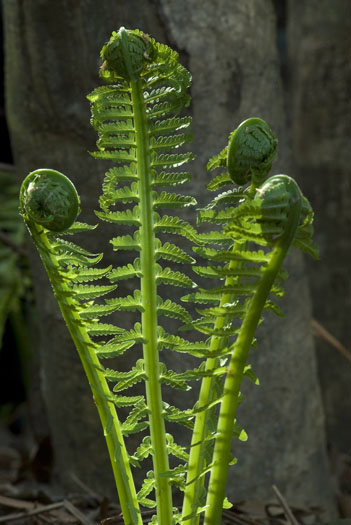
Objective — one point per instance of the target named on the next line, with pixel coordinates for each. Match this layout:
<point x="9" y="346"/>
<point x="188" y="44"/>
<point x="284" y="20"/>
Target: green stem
<point x="101" y="392"/>
<point x="149" y="315"/>
<point x="222" y="449"/>
<point x="194" y="482"/>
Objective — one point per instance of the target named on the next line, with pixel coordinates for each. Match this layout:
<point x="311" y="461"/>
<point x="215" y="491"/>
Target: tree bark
<point x="229" y="46"/>
<point x="319" y="50"/>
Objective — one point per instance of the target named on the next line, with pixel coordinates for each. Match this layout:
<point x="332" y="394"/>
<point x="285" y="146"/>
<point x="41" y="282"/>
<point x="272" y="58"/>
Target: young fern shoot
<point x="268" y="212"/>
<point x="136" y="116"/>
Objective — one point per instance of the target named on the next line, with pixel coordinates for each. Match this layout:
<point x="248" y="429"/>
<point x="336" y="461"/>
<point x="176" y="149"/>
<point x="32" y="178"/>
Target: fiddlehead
<point x="126" y="54"/>
<point x="49" y="198"/>
<point x="250" y="152"/>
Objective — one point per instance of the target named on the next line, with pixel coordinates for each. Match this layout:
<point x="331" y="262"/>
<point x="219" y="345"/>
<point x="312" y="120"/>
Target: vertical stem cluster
<point x="196" y="458"/>
<point x="222" y="449"/>
<point x="149" y="316"/>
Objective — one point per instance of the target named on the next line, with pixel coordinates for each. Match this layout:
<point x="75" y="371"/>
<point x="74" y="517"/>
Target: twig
<point x="87" y="489"/>
<point x="290" y="516"/>
<point x="76" y="513"/>
<point x="40" y="509"/>
<point x="322" y="332"/>
<point x="15" y="503"/>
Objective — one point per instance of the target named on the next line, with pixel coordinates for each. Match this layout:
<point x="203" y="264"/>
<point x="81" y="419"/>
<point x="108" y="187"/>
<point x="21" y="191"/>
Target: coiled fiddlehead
<point x="250" y="152"/>
<point x="49" y="198"/>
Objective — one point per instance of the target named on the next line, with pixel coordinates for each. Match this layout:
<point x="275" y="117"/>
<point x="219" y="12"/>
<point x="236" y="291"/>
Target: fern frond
<point x="125" y="272"/>
<point x="170" y="125"/>
<point x="118" y="155"/>
<point x="83" y="275"/>
<point x="202" y="297"/>
<point x="219" y="182"/>
<point x="126" y="194"/>
<point x="171" y="224"/>
<point x="108" y="139"/>
<point x="205" y="325"/>
<point x="168" y="143"/>
<point x="232" y="196"/>
<point x="176" y="415"/>
<point x="168" y="276"/>
<point x="147" y="487"/>
<point x="133" y="423"/>
<point x="235" y="309"/>
<point x="214" y="237"/>
<point x="164" y="109"/>
<point x="111" y="350"/>
<point x="125" y="173"/>
<point x="167" y="160"/>
<point x="170" y="179"/>
<point x="96" y="310"/>
<point x="144" y="450"/>
<point x="108" y="92"/>
<point x="172" y="200"/>
<point x="171" y="252"/>
<point x="78" y="227"/>
<point x="126" y="401"/>
<point x="215" y="216"/>
<point x="86" y="291"/>
<point x="61" y="246"/>
<point x="127" y="217"/>
<point x="129" y="303"/>
<point x="76" y="259"/>
<point x="174" y="342"/>
<point x="98" y="329"/>
<point x="170" y="378"/>
<point x="172" y="310"/>
<point x="206" y="271"/>
<point x="137" y="370"/>
<point x="176" y="450"/>
<point x="126" y="242"/>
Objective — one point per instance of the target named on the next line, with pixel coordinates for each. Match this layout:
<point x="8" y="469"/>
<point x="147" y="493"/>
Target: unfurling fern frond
<point x="43" y="205"/>
<point x="272" y="213"/>
<point x="136" y="117"/>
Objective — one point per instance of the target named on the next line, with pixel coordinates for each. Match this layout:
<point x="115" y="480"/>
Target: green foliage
<point x="136" y="118"/>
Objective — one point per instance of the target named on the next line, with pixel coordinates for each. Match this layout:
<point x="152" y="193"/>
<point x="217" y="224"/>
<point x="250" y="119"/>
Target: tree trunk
<point x="320" y="44"/>
<point x="229" y="46"/>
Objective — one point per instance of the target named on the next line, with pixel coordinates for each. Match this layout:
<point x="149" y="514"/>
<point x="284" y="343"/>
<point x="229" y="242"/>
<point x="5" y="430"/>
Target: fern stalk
<point x="92" y="367"/>
<point x="229" y="403"/>
<point x="149" y="315"/>
<point x="197" y="463"/>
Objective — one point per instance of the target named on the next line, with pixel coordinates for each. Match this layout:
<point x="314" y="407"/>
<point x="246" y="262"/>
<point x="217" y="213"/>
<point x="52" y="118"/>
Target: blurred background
<point x="288" y="62"/>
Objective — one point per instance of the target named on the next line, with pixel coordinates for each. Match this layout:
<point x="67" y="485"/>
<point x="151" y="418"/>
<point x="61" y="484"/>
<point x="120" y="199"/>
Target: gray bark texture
<point x="230" y="48"/>
<point x="319" y="52"/>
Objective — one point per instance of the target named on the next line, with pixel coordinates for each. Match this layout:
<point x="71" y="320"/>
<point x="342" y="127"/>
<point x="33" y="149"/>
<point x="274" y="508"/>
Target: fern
<point x="274" y="215"/>
<point x="139" y="128"/>
<point x="136" y="116"/>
